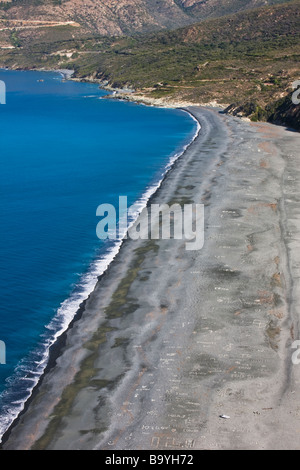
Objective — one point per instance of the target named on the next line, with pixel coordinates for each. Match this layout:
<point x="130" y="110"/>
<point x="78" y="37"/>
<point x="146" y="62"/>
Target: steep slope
<point x="116" y="17"/>
<point x="282" y="112"/>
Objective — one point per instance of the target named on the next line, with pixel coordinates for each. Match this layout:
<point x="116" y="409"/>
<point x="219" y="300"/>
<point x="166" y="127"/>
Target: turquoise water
<point x="63" y="152"/>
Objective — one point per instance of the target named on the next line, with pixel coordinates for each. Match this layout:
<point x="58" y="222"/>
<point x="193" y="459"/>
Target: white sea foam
<point x="26" y="378"/>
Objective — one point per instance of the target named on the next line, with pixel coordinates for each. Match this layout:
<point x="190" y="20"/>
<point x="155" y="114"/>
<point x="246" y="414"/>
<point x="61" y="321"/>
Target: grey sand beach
<point x="172" y="339"/>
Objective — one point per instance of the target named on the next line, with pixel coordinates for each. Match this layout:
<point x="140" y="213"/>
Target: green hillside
<point x="250" y="58"/>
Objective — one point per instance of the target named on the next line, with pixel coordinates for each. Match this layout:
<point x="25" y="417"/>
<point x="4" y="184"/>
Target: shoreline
<point x="169" y="340"/>
<point x="140" y="98"/>
<point x="130" y="95"/>
<point x="56" y="347"/>
<point x="124" y="94"/>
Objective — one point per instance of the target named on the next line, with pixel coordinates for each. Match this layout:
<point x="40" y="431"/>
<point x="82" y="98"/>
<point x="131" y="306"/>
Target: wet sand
<point x="171" y="339"/>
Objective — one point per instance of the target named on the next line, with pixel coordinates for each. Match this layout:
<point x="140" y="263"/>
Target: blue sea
<point x="65" y="149"/>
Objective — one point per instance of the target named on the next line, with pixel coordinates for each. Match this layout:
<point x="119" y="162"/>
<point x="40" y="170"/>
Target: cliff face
<point x="116" y="17"/>
<point x="283" y="112"/>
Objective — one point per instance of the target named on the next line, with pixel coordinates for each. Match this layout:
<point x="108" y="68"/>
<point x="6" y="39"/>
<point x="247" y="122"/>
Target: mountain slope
<point x="117" y="17"/>
<point x="249" y="59"/>
<point x="203" y="9"/>
<point x="241" y="52"/>
<point x="112" y="17"/>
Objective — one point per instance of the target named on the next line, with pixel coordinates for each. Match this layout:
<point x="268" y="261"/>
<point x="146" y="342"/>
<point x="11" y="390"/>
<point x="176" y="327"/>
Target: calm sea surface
<point x="64" y="151"/>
